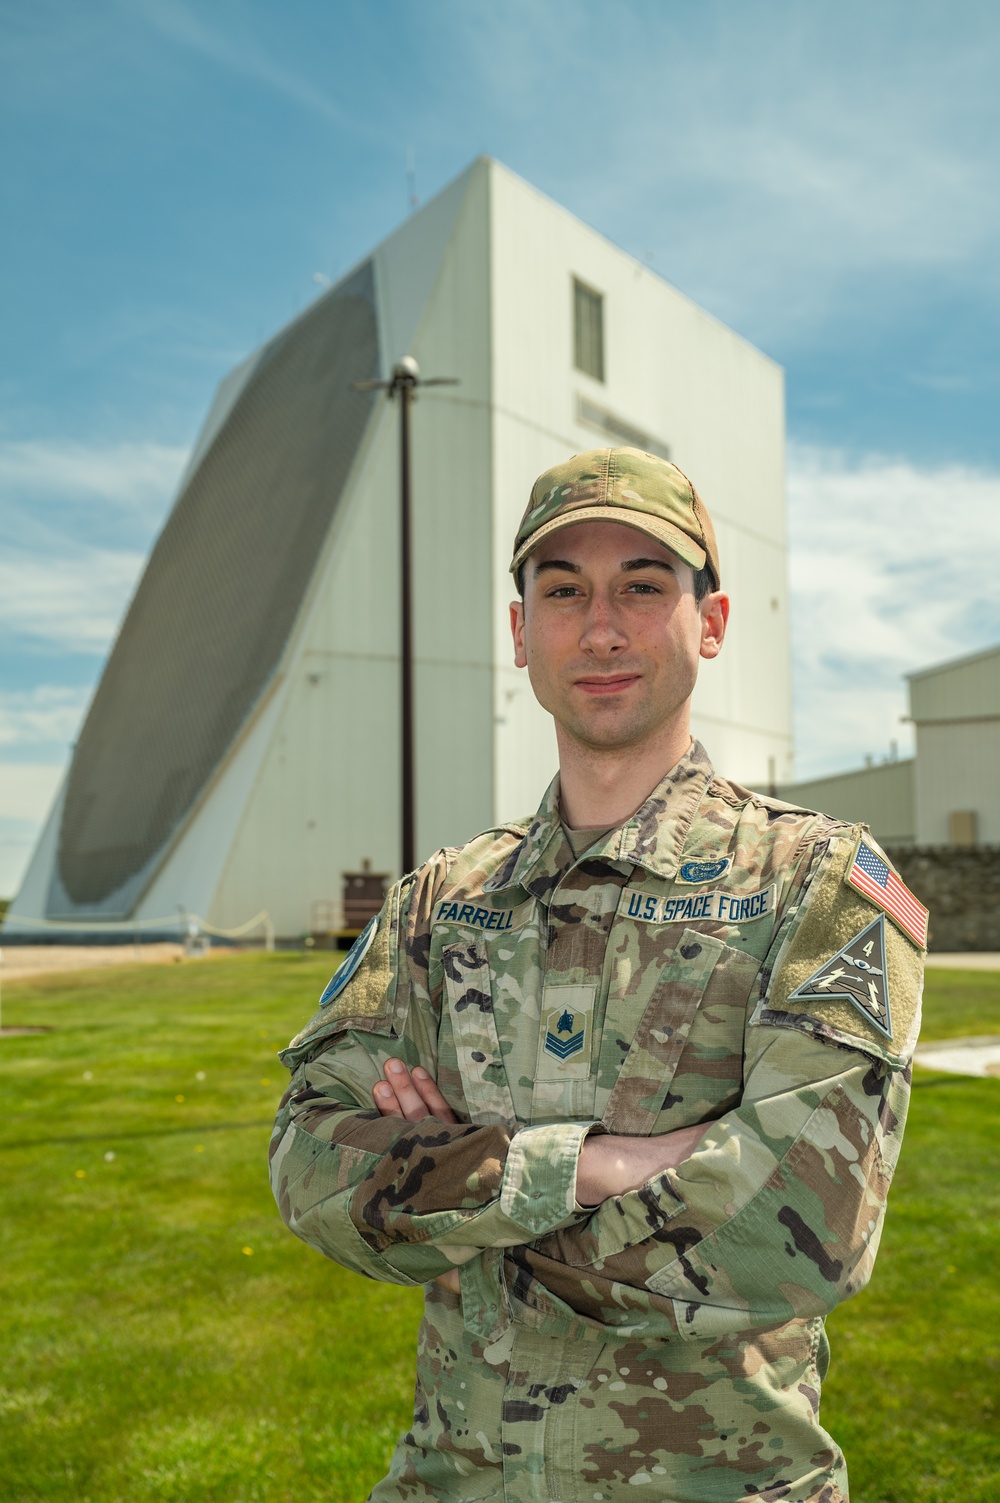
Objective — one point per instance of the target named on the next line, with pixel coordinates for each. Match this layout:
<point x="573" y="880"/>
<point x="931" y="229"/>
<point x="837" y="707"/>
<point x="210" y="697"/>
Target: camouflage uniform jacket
<point x="678" y="973"/>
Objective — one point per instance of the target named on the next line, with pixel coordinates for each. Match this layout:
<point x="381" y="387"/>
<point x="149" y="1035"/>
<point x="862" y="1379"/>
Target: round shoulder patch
<point x="351" y="961"/>
<point x="704" y="871"/>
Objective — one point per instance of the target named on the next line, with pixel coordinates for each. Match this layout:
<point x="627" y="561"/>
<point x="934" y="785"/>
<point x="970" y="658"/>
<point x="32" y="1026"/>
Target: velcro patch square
<point x="858" y="974"/>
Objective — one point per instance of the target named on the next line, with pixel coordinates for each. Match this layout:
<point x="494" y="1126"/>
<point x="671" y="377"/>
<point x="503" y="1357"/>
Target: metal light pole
<point x="405" y="380"/>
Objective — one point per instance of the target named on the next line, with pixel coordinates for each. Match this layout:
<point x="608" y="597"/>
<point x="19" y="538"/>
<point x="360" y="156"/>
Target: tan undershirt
<point x="582" y="840"/>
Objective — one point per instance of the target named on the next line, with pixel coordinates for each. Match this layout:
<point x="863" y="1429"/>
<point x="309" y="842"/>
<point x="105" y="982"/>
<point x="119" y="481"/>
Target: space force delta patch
<point x="857" y="974"/>
<point x="722" y="907"/>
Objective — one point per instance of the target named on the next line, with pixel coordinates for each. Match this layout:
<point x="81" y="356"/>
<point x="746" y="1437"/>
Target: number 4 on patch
<point x="856" y="974"/>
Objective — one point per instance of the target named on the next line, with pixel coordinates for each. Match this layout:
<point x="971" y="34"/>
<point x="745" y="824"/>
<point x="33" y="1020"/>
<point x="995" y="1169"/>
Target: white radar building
<point x="242" y="750"/>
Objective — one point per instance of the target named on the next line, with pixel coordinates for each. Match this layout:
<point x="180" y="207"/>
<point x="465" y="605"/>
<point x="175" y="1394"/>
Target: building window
<point x="588" y="330"/>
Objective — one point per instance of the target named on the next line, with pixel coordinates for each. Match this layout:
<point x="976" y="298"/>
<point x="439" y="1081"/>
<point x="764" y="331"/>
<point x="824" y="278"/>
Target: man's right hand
<point x="611" y="1165"/>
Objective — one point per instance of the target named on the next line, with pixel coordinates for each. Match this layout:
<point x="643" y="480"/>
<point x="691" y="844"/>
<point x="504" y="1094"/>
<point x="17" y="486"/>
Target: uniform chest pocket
<point x="478" y="1056"/>
<point x="684" y="1063"/>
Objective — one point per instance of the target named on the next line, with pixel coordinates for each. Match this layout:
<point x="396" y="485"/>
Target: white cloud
<point x="78" y="520"/>
<point x="48" y="715"/>
<point x="17" y="841"/>
<point x="135" y="474"/>
<point x="37" y="726"/>
<point x="27" y="789"/>
<point x="245" y="55"/>
<point x="781" y="168"/>
<point x="891" y="570"/>
<point x="74" y="602"/>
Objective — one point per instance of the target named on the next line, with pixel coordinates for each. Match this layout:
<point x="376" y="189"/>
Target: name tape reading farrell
<point x="479" y="918"/>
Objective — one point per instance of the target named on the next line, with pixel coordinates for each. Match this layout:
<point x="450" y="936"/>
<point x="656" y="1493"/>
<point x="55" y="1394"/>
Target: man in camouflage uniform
<point x="622" y="1085"/>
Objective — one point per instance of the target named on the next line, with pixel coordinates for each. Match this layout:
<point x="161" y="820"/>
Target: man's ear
<point x="517" y="632"/>
<point x="714" y="610"/>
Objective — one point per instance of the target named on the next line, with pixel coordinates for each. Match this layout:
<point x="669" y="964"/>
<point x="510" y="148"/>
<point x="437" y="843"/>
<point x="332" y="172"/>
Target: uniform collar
<point x="653" y="838"/>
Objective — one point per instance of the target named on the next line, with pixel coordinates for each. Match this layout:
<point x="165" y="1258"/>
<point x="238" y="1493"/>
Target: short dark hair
<point x="703" y="581"/>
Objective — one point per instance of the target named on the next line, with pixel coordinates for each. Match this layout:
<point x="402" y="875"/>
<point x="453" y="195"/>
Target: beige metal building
<point x="955" y="708"/>
<point x="949" y="793"/>
<point x="882" y="797"/>
<point x="242" y="748"/>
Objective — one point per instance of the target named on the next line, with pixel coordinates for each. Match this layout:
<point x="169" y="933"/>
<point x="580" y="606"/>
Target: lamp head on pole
<point x="405" y="377"/>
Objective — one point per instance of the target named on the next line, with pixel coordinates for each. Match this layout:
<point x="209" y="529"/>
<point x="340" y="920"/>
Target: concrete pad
<point x="966" y="960"/>
<point x="972" y="1056"/>
<point x="19" y="961"/>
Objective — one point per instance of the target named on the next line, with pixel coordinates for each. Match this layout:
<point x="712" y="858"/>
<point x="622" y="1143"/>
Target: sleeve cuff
<point x="538" y="1189"/>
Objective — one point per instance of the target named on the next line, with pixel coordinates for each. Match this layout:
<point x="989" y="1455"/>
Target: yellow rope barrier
<point x="263" y="918"/>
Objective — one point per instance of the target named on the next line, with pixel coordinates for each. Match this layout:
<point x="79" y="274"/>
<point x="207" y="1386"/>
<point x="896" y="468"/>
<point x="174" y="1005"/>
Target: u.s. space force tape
<point x="721" y="906"/>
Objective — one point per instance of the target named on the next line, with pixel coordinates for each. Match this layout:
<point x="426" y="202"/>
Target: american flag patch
<point x="877" y="880"/>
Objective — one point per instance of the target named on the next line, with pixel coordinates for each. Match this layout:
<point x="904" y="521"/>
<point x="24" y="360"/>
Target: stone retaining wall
<point x="961" y="887"/>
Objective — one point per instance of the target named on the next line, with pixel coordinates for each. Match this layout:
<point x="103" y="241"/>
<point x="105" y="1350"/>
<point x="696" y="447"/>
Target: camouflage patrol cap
<point x="621" y="485"/>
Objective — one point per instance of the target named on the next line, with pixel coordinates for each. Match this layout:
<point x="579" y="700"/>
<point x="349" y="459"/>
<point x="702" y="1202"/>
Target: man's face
<point x="611" y="634"/>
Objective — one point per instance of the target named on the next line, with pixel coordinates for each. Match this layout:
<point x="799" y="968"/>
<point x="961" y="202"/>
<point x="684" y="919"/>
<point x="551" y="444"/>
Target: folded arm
<point x="771" y="1212"/>
<point x="776" y="1213"/>
<point x="401" y="1200"/>
<point x="608" y="1165"/>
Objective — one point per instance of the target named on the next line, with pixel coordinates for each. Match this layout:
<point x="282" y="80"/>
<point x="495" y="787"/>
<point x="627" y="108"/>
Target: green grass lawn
<point x="164" y="1337"/>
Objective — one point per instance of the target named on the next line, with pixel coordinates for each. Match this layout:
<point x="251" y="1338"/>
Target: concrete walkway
<point x="975" y="1056"/>
<point x="966" y="960"/>
<point x="19" y="961"/>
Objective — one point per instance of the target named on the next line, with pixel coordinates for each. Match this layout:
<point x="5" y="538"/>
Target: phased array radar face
<point x="217" y="602"/>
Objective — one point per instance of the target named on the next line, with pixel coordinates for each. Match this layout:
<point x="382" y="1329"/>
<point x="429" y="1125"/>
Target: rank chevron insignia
<point x="564" y="1036"/>
<point x="856" y="974"/>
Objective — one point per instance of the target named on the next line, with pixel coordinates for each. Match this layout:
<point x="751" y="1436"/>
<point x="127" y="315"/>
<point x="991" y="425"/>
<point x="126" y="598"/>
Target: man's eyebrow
<point x="630" y="564"/>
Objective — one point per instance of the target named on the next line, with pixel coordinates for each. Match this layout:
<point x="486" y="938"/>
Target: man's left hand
<point x="413" y="1095"/>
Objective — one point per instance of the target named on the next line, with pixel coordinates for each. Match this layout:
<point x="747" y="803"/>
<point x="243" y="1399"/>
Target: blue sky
<point x="823" y="177"/>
